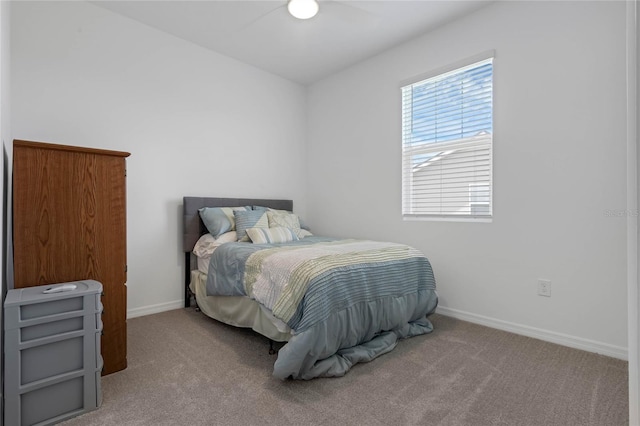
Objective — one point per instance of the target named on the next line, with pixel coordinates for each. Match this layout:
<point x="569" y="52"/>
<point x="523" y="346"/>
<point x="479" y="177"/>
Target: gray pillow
<point x="219" y="220"/>
<point x="249" y="219"/>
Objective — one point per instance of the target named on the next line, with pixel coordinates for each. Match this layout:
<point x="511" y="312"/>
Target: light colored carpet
<point x="187" y="369"/>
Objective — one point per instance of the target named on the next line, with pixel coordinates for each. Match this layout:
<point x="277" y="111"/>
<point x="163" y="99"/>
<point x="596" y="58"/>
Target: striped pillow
<point x="249" y="219"/>
<point x="271" y="235"/>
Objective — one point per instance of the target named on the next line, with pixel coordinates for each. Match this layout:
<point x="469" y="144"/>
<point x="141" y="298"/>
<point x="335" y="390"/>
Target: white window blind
<point x="447" y="128"/>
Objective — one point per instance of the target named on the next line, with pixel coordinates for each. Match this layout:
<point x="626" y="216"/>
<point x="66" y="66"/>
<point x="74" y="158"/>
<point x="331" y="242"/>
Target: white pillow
<point x="283" y="219"/>
<point x="280" y="218"/>
<point x="207" y="244"/>
<point x="303" y="233"/>
<point x="271" y="235"/>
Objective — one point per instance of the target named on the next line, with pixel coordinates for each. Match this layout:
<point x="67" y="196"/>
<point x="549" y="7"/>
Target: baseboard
<point x="154" y="309"/>
<point x="546" y="335"/>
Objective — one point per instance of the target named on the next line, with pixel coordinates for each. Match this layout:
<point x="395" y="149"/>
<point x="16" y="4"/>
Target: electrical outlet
<point x="544" y="288"/>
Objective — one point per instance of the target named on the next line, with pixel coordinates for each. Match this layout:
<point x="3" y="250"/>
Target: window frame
<point x="442" y="72"/>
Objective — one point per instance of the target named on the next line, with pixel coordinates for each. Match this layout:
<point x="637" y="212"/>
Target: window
<point x="447" y="128"/>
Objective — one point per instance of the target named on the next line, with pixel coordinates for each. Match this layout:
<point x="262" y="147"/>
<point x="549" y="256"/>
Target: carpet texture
<point x="187" y="369"/>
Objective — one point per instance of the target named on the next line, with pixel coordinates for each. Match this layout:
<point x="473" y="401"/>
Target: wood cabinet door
<point x="69" y="217"/>
<point x="110" y="261"/>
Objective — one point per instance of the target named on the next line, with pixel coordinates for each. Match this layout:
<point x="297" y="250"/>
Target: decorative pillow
<point x="304" y="233"/>
<point x="249" y="219"/>
<point x="280" y="218"/>
<point x="219" y="220"/>
<point x="283" y="219"/>
<point x="207" y="244"/>
<point x="271" y="235"/>
<point x="302" y="224"/>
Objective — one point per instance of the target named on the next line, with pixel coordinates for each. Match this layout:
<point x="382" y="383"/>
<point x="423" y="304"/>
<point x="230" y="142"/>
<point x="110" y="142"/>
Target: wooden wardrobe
<point x="69" y="223"/>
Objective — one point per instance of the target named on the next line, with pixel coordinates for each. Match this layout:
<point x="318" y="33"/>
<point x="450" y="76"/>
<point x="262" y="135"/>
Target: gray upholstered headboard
<point x="193" y="228"/>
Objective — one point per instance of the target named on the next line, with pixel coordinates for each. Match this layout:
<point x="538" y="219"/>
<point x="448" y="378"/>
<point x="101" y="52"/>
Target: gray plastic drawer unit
<point x="52" y="352"/>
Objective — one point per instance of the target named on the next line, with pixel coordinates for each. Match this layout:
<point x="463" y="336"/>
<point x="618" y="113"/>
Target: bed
<point x="334" y="302"/>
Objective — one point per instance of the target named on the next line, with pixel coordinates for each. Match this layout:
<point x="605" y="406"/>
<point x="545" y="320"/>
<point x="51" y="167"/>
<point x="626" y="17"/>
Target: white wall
<point x="195" y="122"/>
<point x="559" y="167"/>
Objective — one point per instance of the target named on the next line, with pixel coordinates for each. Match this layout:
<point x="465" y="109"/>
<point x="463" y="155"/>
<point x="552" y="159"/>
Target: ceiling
<point x="263" y="34"/>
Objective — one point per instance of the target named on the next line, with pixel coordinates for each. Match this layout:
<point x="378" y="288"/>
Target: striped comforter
<point x="346" y="301"/>
<point x="345" y="271"/>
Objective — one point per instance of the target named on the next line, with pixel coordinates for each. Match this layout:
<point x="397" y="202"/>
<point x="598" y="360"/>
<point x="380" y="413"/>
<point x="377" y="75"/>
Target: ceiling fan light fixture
<point x="303" y="9"/>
